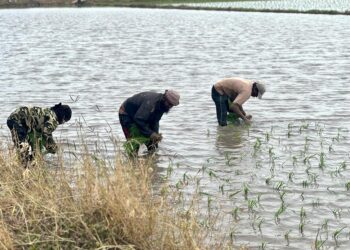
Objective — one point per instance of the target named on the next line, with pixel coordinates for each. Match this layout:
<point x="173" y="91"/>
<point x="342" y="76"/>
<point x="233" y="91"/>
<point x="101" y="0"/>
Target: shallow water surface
<point x="278" y="182"/>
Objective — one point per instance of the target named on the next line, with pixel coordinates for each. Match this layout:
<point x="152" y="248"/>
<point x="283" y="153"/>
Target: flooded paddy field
<point x="282" y="183"/>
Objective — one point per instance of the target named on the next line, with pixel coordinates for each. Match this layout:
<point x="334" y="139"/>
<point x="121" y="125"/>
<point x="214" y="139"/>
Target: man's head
<point x="171" y="98"/>
<point x="63" y="112"/>
<point x="258" y="89"/>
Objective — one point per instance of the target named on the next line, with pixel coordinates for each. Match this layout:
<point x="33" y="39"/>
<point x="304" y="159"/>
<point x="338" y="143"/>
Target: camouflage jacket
<point x="40" y="122"/>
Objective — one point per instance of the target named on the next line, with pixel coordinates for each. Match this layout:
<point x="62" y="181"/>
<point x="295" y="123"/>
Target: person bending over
<point x="229" y="95"/>
<point x="139" y="117"/>
<point x="32" y="127"/>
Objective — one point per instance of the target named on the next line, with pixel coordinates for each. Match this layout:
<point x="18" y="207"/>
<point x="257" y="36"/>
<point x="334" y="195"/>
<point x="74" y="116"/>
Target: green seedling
<point x="336" y="235"/>
<point x="316" y="203"/>
<point x="263" y="245"/>
<point x="301" y="228"/>
<point x="261" y="221"/>
<point x="322" y="161"/>
<point x="289" y="134"/>
<point x="286" y="237"/>
<point x="290" y="176"/>
<point x="295" y="161"/>
<point x="234" y="193"/>
<point x="279" y="185"/>
<point x="235" y="213"/>
<point x="245" y="191"/>
<point x="252" y="204"/>
<point x="337" y="213"/>
<point x="347" y="186"/>
<point x="257" y="144"/>
<point x="318" y="242"/>
<point x="280" y="210"/>
<point x="302" y="214"/>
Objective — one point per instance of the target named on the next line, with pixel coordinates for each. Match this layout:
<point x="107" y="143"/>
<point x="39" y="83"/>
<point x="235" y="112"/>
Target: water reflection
<point x="230" y="138"/>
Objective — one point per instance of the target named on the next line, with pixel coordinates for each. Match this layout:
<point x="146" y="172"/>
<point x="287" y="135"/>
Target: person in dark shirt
<point x="139" y="118"/>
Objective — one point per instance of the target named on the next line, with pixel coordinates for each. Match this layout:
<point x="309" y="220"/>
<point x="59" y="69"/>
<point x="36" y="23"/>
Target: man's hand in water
<point x="249" y="117"/>
<point x="155" y="137"/>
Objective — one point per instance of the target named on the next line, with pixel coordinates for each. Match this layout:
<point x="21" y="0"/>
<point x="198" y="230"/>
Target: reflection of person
<point x="139" y="117"/>
<point x="238" y="90"/>
<point x="229" y="139"/>
<point x="32" y="127"/>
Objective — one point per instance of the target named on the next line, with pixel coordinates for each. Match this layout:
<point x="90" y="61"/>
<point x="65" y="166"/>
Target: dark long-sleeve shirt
<point x="145" y="110"/>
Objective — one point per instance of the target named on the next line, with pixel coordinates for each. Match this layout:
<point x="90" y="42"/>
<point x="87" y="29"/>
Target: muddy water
<point x="277" y="182"/>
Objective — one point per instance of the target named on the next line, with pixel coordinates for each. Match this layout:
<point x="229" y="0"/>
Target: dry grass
<point x="90" y="206"/>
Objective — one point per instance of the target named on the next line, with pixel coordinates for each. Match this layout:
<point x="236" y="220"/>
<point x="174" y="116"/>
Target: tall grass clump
<point x="89" y="206"/>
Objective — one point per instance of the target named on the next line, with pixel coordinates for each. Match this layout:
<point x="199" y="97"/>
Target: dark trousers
<point x="221" y="103"/>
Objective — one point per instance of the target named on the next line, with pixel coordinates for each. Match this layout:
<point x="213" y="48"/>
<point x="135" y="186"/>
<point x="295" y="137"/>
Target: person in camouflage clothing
<point x="32" y="127"/>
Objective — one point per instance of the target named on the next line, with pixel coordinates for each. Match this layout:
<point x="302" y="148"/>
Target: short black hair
<point x="63" y="112"/>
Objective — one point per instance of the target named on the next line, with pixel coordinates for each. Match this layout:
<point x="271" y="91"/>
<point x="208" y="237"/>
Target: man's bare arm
<point x="238" y="109"/>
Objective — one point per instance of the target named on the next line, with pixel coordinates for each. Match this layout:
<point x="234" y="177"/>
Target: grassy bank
<point x="91" y="206"/>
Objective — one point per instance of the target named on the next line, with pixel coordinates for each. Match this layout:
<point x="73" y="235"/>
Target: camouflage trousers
<point x="26" y="142"/>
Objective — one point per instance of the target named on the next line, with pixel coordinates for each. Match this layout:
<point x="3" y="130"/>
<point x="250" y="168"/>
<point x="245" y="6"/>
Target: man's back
<point x="237" y="89"/>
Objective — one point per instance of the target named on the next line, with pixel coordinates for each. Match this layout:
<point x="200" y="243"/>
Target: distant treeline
<point x="165" y="4"/>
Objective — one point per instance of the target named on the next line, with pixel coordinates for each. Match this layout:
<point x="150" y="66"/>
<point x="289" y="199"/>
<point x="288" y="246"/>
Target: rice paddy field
<point x="281" y="183"/>
<point x="341" y="6"/>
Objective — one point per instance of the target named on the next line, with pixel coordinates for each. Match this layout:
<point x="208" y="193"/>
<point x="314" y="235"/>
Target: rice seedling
<point x="337" y="213"/>
<point x="336" y="235"/>
<point x="260" y="222"/>
<point x="316" y="203"/>
<point x="263" y="245"/>
<point x="271" y="153"/>
<point x="295" y="161"/>
<point x="347" y="186"/>
<point x="302" y="214"/>
<point x="245" y="191"/>
<point x="305" y="183"/>
<point x="221" y="189"/>
<point x="257" y="144"/>
<point x="318" y="242"/>
<point x="279" y="185"/>
<point x="290" y="176"/>
<point x="234" y="193"/>
<point x="235" y="213"/>
<point x="286" y="237"/>
<point x="252" y="203"/>
<point x="280" y="211"/>
<point x="289" y="133"/>
<point x="322" y="161"/>
<point x="268" y="180"/>
<point x="281" y="195"/>
<point x="301" y="228"/>
<point x="238" y="172"/>
<point x="306" y="144"/>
